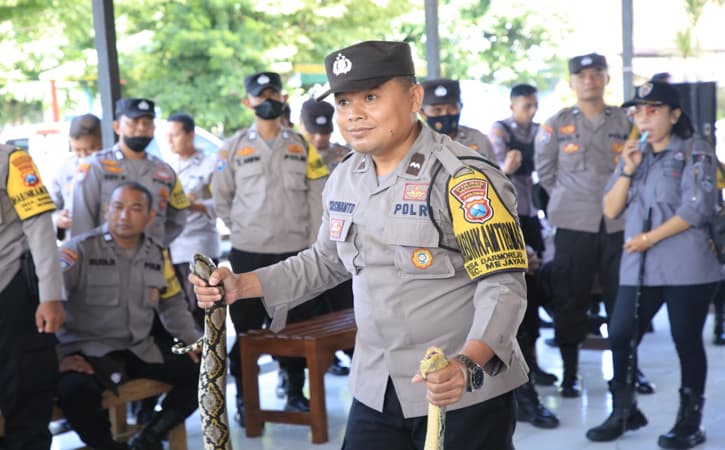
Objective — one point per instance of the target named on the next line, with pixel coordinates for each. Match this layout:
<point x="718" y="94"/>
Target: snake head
<point x="202" y="266"/>
<point x="434" y="360"/>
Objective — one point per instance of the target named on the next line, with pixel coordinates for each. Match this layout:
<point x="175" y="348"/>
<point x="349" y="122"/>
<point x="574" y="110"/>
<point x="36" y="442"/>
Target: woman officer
<point x="670" y="177"/>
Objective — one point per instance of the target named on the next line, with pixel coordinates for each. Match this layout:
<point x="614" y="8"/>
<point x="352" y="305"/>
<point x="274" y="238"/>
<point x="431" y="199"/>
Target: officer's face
<point x="128" y="213"/>
<point x="251" y="101"/>
<point x="656" y="119"/>
<point x="319" y="140"/>
<point x="381" y="120"/>
<point x="523" y="108"/>
<point x="441" y="109"/>
<point x="589" y="84"/>
<point x="140" y="126"/>
<point x="85" y="145"/>
<point x="181" y="142"/>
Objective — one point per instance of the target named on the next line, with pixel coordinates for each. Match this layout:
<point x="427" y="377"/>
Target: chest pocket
<point x="344" y="232"/>
<point x="571" y="155"/>
<point x="295" y="175"/>
<point x="103" y="286"/>
<point x="668" y="187"/>
<point x="416" y="251"/>
<point x="248" y="175"/>
<point x="153" y="283"/>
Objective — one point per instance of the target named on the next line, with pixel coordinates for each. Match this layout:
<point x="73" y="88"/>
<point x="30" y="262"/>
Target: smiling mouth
<point x="358" y="132"/>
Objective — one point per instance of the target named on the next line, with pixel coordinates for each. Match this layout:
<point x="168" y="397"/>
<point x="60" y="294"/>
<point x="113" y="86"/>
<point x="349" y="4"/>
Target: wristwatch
<point x="474" y="380"/>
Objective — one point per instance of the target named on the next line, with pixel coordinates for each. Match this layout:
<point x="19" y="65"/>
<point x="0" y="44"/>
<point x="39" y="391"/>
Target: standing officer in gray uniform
<point x="445" y="272"/>
<point x="316" y="127"/>
<point x="576" y="152"/>
<point x="442" y="111"/>
<point x="267" y="189"/>
<point x="84" y="140"/>
<point x="31" y="291"/>
<point x="117" y="278"/>
<point x="128" y="161"/>
<point x="195" y="170"/>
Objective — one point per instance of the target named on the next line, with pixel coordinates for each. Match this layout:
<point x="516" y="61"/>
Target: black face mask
<point x="137" y="143"/>
<point x="269" y="109"/>
<point x="444" y="124"/>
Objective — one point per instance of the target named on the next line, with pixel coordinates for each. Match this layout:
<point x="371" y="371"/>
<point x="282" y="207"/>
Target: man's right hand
<point x="75" y="363"/>
<point x="511" y="162"/>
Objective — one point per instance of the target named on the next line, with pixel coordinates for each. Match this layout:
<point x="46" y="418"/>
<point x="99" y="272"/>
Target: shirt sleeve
<point x="487" y="150"/>
<point x="70" y="263"/>
<point x="546" y="154"/>
<point x="499" y="142"/>
<point x="176" y="212"/>
<point x="223" y="184"/>
<point x="173" y="310"/>
<point x="86" y="197"/>
<point x="699" y="185"/>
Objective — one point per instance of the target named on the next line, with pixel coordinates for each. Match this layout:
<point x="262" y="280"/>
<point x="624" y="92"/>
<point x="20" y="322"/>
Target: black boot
<point x="281" y="389"/>
<point x="151" y="435"/>
<point x="687" y="431"/>
<point x="625" y="416"/>
<point x="570" y="359"/>
<point x="718" y="317"/>
<point x="296" y="401"/>
<point x="529" y="408"/>
<point x="541" y="377"/>
<point x="239" y="416"/>
<point x="644" y="386"/>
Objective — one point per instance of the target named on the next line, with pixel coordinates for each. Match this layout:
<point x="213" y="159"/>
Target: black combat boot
<point x="296" y="401"/>
<point x="719" y="304"/>
<point x="529" y="408"/>
<point x="151" y="435"/>
<point x="570" y="359"/>
<point x="625" y="415"/>
<point x="687" y="431"/>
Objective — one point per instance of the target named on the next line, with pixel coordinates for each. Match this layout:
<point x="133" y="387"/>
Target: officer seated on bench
<point x="116" y="277"/>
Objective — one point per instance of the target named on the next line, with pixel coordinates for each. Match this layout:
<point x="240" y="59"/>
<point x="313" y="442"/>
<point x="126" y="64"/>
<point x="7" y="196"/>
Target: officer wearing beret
<point x="442" y="111"/>
<point x="31" y="295"/>
<point x="670" y="179"/>
<point x="117" y="278"/>
<point x="316" y="126"/>
<point x="426" y="230"/>
<point x="576" y="151"/>
<point x="84" y="139"/>
<point x="97" y="175"/>
<point x="267" y="188"/>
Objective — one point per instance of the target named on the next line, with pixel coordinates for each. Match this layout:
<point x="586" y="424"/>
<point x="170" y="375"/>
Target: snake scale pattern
<point x="434" y="360"/>
<point x="212" y="373"/>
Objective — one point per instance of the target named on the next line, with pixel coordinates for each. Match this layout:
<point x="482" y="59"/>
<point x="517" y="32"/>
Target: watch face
<point x="476" y="379"/>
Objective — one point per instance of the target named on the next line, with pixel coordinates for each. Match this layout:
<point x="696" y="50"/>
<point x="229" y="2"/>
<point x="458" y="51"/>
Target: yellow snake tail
<point x="434" y="360"/>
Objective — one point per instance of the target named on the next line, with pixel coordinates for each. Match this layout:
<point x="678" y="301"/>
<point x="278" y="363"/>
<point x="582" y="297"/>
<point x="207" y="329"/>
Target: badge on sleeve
<point x="487" y="233"/>
<point x="172" y="283"/>
<point x="25" y="189"/>
<point x="545" y="133"/>
<point x="178" y="200"/>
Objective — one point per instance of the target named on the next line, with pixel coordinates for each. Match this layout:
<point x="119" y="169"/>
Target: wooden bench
<point x="137" y="389"/>
<point x="316" y="340"/>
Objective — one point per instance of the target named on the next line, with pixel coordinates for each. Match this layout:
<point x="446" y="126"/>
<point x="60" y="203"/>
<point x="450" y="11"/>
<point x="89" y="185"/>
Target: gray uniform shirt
<point x="574" y="159"/>
<point x="333" y="155"/>
<point x="501" y="142"/>
<point x="671" y="184"/>
<point x="98" y="174"/>
<point x="112" y="297"/>
<point x="267" y="194"/>
<point x="410" y="287"/>
<point x="200" y="233"/>
<point x="475" y="140"/>
<point x="25" y="223"/>
<point x="61" y="187"/>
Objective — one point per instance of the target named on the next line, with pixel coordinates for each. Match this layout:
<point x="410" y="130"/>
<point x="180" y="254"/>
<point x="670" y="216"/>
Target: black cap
<point x="577" y="63"/>
<point x="661" y="93"/>
<point x="135" y="107"/>
<point x="366" y="65"/>
<point x="258" y="82"/>
<point x="441" y="91"/>
<point x="317" y="116"/>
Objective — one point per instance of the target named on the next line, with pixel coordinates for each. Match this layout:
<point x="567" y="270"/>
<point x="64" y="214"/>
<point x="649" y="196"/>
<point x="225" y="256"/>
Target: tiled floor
<point x="658" y="360"/>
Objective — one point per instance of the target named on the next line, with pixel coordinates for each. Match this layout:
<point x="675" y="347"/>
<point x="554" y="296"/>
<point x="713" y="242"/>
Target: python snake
<point x="434" y="360"/>
<point x="212" y="373"/>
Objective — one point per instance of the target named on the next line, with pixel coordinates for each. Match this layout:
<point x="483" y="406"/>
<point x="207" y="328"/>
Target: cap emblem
<point x="586" y="61"/>
<point x="341" y="65"/>
<point x="321" y="120"/>
<point x="440" y="91"/>
<point x="143" y="105"/>
<point x="262" y="79"/>
<point x="644" y="90"/>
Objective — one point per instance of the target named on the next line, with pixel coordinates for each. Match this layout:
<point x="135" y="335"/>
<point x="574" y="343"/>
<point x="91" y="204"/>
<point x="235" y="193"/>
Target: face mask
<point x="269" y="109"/>
<point x="444" y="124"/>
<point x="137" y="143"/>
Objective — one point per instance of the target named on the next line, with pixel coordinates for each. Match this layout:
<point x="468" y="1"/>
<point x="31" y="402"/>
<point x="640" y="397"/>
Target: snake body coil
<point x="212" y="373"/>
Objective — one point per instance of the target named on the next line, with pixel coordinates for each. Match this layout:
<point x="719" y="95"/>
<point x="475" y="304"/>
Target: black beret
<point x="366" y="65"/>
<point x="441" y="91"/>
<point x="258" y="82"/>
<point x="317" y="116"/>
<point x="577" y="63"/>
<point x="135" y="107"/>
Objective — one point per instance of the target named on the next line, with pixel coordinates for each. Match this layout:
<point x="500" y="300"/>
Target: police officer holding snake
<point x="423" y="274"/>
<point x="117" y="277"/>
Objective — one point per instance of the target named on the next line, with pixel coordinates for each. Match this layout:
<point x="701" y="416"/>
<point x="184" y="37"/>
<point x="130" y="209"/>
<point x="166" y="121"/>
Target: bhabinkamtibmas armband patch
<point x="316" y="167"/>
<point x="178" y="199"/>
<point x="487" y="233"/>
<point x="27" y="193"/>
<point x="172" y="283"/>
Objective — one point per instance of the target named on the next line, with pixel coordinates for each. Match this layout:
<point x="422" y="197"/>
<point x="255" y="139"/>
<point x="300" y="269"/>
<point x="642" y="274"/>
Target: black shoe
<point x="643" y="385"/>
<point x="281" y="389"/>
<point x="336" y="368"/>
<point x="541" y="378"/>
<point x="612" y="427"/>
<point x="570" y="389"/>
<point x="297" y="403"/>
<point x="529" y="408"/>
<point x="151" y="435"/>
<point x="687" y="431"/>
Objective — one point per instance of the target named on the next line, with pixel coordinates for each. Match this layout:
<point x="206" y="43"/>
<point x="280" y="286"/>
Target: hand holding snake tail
<point x="212" y="374"/>
<point x="434" y="360"/>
